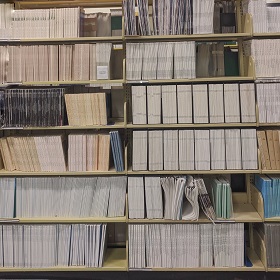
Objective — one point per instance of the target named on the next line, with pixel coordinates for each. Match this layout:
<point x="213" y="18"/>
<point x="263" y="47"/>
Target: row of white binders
<point x="62" y="197"/>
<point x="55" y="62"/>
<point x="86" y="152"/>
<point x="186" y="245"/>
<point x="43" y="246"/>
<point x="177" y="198"/>
<point x="194" y="149"/>
<point x="199" y="103"/>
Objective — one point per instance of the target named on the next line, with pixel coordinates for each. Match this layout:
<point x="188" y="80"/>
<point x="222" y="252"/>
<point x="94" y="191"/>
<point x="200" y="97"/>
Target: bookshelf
<point x="247" y="207"/>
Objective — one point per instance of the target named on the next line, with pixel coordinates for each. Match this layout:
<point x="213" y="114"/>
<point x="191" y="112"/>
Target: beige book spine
<point x="269" y="137"/>
<point x="263" y="150"/>
<point x="276" y="145"/>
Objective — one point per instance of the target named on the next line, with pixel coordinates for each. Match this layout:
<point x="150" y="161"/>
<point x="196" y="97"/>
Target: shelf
<point x="191" y="37"/>
<point x="64" y="220"/>
<point x="115" y="260"/>
<point x="113" y="39"/>
<point x="181" y="172"/>
<point x="117" y="124"/>
<point x="268" y="124"/>
<point x="4" y="173"/>
<point x="73" y="82"/>
<point x="189" y="125"/>
<point x="273" y="35"/>
<point x="195" y="80"/>
<point x="257" y="266"/>
<point x="243" y="213"/>
<point x="263" y="171"/>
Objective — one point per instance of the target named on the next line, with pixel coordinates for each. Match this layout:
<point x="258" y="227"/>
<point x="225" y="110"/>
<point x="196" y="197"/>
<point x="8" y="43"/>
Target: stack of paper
<point x="184" y="103"/>
<point x="268" y="102"/>
<point x="169" y="104"/>
<point x="269" y="146"/>
<point x="184" y="60"/>
<point x="150" y="56"/>
<point x="190" y="208"/>
<point x="220" y="192"/>
<point x="40" y="153"/>
<point x="117" y="150"/>
<point x="153" y="195"/>
<point x="270" y="237"/>
<point x="186" y="245"/>
<point x="139" y="104"/>
<point x="88" y="152"/>
<point x="44" y="246"/>
<point x="134" y="61"/>
<point x="140" y="150"/>
<point x="6" y="20"/>
<point x="103" y="57"/>
<point x="165" y="60"/>
<point x="4" y="59"/>
<point x="186" y="149"/>
<point x="216" y="103"/>
<point x="269" y="188"/>
<point x="204" y="199"/>
<point x="86" y="109"/>
<point x="7" y="197"/>
<point x="228" y="245"/>
<point x="170" y="150"/>
<point x="200" y="104"/>
<point x="233" y="149"/>
<point x="129" y="17"/>
<point x="32" y="107"/>
<point x="250" y="149"/>
<point x="248" y="103"/>
<point x="155" y="150"/>
<point x="202" y="150"/>
<point x="136" y="200"/>
<point x="218" y="149"/>
<point x="86" y="197"/>
<point x="153" y="104"/>
<point x="231" y="99"/>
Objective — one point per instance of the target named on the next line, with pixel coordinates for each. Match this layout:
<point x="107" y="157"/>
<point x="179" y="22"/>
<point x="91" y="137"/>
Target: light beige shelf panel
<point x="64" y="220"/>
<point x="117" y="124"/>
<point x="257" y="266"/>
<point x="190" y="125"/>
<point x="113" y="39"/>
<point x="191" y="37"/>
<point x="269" y="124"/>
<point x="273" y="35"/>
<point x="115" y="260"/>
<point x="88" y="82"/>
<point x="244" y="212"/>
<point x="264" y="171"/>
<point x="196" y="80"/>
<point x="180" y="172"/>
<point x="67" y="173"/>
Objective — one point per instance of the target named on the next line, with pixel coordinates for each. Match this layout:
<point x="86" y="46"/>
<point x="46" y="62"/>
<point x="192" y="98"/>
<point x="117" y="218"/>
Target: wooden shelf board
<point x="67" y="173"/>
<point x="263" y="171"/>
<point x="272" y="219"/>
<point x="274" y="269"/>
<point x="117" y="124"/>
<point x="191" y="37"/>
<point x="266" y="35"/>
<point x="113" y="39"/>
<point x="243" y="213"/>
<point x="181" y="172"/>
<point x="71" y="82"/>
<point x="190" y="125"/>
<point x="195" y="80"/>
<point x="115" y="260"/>
<point x="269" y="124"/>
<point x="64" y="220"/>
<point x="257" y="266"/>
